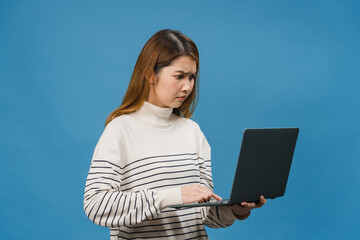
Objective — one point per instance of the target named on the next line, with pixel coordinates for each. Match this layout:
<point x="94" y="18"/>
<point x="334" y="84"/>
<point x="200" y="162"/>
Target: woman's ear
<point x="152" y="79"/>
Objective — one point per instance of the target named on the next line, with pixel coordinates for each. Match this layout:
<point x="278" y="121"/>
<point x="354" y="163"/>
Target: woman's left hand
<point x="242" y="210"/>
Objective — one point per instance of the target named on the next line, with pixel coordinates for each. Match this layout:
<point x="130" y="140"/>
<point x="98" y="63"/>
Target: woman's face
<point x="173" y="84"/>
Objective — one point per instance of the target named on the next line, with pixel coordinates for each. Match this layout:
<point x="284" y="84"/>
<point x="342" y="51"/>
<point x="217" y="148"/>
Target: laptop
<point x="263" y="166"/>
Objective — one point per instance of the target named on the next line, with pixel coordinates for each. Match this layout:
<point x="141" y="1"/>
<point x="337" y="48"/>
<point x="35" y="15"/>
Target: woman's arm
<point x="106" y="205"/>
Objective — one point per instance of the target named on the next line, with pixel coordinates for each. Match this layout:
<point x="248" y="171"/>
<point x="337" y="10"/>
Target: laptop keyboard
<point x="224" y="201"/>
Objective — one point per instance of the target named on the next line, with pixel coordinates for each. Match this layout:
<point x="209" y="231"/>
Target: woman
<point x="151" y="155"/>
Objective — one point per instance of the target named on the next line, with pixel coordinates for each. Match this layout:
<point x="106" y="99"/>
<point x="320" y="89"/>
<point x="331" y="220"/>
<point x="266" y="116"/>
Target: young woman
<point x="151" y="155"/>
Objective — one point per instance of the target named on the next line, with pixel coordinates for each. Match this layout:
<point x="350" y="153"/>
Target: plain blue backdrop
<point x="65" y="65"/>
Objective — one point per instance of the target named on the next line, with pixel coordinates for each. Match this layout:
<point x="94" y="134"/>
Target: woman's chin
<point x="177" y="105"/>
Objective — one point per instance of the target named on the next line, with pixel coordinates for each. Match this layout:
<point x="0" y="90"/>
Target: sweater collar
<point x="154" y="115"/>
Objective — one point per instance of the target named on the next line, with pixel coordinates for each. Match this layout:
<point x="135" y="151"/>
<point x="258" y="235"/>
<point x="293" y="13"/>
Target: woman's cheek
<point x="174" y="84"/>
<point x="192" y="86"/>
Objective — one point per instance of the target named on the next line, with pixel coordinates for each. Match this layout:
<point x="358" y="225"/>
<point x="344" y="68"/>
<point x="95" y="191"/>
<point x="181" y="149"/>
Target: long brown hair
<point x="159" y="52"/>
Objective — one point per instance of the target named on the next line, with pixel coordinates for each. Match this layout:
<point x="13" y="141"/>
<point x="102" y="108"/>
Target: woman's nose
<point x="187" y="86"/>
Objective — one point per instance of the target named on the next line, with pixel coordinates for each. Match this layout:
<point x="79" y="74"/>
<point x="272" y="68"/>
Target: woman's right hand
<point x="197" y="193"/>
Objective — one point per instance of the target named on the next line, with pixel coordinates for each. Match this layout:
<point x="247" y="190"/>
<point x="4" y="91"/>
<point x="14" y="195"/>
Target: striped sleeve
<point x="214" y="216"/>
<point x="106" y="205"/>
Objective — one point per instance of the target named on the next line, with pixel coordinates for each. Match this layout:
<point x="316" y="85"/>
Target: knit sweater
<point x="139" y="165"/>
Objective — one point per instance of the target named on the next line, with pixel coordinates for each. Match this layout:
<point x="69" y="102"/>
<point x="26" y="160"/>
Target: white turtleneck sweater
<point x="139" y="164"/>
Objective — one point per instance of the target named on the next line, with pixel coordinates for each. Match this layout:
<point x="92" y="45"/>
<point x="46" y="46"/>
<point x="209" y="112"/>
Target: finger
<point x="248" y="205"/>
<point x="217" y="197"/>
<point x="204" y="197"/>
<point x="261" y="202"/>
<point x="262" y="199"/>
<point x="210" y="193"/>
<point x="252" y="205"/>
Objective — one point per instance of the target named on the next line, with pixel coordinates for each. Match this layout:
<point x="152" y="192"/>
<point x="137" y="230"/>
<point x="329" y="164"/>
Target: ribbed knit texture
<point x="139" y="164"/>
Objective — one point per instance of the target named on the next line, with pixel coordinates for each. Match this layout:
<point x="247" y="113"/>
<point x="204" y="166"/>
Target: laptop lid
<point x="264" y="164"/>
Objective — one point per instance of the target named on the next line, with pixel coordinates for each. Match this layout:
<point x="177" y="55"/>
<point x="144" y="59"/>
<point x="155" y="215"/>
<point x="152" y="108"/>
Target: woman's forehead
<point x="183" y="64"/>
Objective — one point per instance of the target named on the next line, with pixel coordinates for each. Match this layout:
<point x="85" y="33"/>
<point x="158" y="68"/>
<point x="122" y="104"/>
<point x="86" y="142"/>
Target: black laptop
<point x="263" y="166"/>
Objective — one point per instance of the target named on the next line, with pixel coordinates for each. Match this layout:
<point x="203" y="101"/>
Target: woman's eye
<point x="191" y="77"/>
<point x="179" y="76"/>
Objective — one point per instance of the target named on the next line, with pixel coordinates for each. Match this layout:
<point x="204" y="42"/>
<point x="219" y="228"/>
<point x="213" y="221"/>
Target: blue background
<point x="65" y="65"/>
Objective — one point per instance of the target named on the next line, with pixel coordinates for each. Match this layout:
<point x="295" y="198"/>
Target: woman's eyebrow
<point x="186" y="73"/>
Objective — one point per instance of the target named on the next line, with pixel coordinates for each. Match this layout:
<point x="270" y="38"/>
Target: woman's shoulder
<point x="189" y="123"/>
<point x="117" y="124"/>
